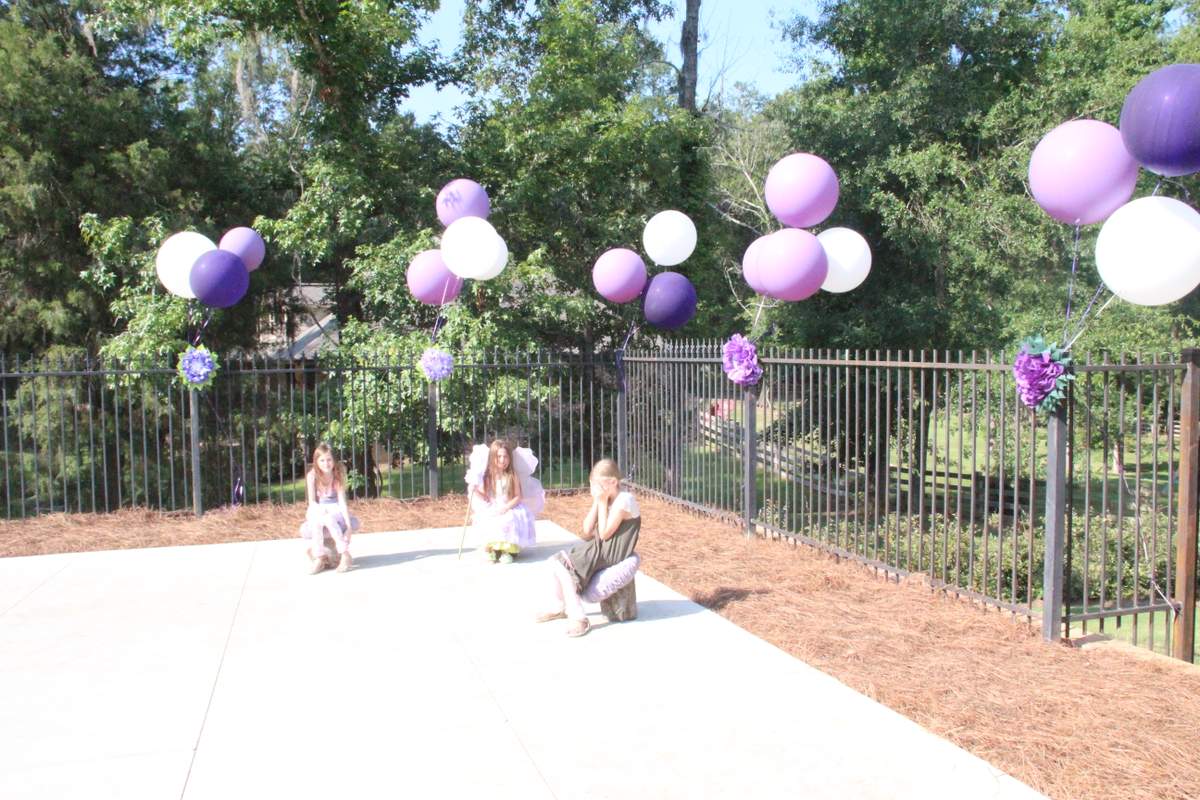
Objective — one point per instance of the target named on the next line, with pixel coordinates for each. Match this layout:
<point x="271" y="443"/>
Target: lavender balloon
<point x="801" y="190"/>
<point x="460" y="198"/>
<point x="246" y="244"/>
<point x="670" y="301"/>
<point x="219" y="279"/>
<point x="619" y="275"/>
<point x="1160" y="121"/>
<point x="1080" y="172"/>
<point x="792" y="264"/>
<point x="430" y="281"/>
<point x="750" y="269"/>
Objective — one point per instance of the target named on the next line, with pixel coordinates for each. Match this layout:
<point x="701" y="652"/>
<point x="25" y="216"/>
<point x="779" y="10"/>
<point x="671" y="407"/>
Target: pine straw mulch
<point x="1074" y="723"/>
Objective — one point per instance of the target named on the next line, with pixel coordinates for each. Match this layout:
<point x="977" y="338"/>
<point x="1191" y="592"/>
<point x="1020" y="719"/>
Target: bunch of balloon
<point x="791" y="264"/>
<point x="190" y="266"/>
<point x="1085" y="171"/>
<point x="470" y="248"/>
<point x="669" y="298"/>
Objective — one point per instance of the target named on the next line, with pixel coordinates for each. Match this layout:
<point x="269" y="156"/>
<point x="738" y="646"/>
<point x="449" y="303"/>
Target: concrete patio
<point x="226" y="671"/>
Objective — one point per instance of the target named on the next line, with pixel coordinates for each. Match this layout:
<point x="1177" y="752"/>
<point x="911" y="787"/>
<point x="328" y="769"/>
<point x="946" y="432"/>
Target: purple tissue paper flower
<point x="197" y="367"/>
<point x="739" y="358"/>
<point x="436" y="364"/>
<point x="1042" y="373"/>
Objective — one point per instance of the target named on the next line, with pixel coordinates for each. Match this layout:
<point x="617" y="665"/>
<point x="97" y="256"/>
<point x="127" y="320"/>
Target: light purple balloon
<point x="619" y="275"/>
<point x="1080" y="172"/>
<point x="801" y="190"/>
<point x="246" y="244"/>
<point x="462" y="197"/>
<point x="430" y="281"/>
<point x="750" y="270"/>
<point x="792" y="265"/>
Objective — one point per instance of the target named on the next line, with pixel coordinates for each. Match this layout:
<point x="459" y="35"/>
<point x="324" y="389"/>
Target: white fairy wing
<point x="533" y="496"/>
<point x="476" y="465"/>
<point x="524" y="461"/>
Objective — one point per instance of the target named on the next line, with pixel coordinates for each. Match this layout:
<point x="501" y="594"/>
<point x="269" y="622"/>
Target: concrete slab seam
<point x="220" y="663"/>
<point x="31" y="592"/>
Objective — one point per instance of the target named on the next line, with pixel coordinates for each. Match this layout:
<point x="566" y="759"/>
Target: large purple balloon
<point x="219" y="279"/>
<point x="1160" y="121"/>
<point x="801" y="190"/>
<point x="619" y="275"/>
<point x="430" y="280"/>
<point x="1080" y="172"/>
<point x="792" y="264"/>
<point x="460" y="198"/>
<point x="670" y="301"/>
<point x="750" y="270"/>
<point x="246" y="244"/>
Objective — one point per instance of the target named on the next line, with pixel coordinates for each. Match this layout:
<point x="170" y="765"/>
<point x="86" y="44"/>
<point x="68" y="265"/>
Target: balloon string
<point x="1099" y="311"/>
<point x="762" y="301"/>
<point x="200" y="332"/>
<point x="1071" y="282"/>
<point x="633" y="326"/>
<point x="1083" y="317"/>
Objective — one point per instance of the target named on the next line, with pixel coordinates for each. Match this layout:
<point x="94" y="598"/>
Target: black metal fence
<point x="85" y="436"/>
<point x="912" y="462"/>
<point x="928" y="463"/>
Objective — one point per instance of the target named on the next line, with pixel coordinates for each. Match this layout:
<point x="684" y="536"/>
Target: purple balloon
<point x="1080" y="172"/>
<point x="246" y="244"/>
<point x="219" y="279"/>
<point x="1160" y="121"/>
<point x="750" y="270"/>
<point x="670" y="301"/>
<point x="801" y="190"/>
<point x="430" y="281"/>
<point x="460" y="198"/>
<point x="792" y="265"/>
<point x="619" y="275"/>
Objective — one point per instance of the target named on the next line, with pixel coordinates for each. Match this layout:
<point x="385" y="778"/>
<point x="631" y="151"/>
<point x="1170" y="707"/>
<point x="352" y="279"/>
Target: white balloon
<point x="471" y="248"/>
<point x="501" y="260"/>
<point x="669" y="238"/>
<point x="1148" y="251"/>
<point x="175" y="258"/>
<point x="849" y="259"/>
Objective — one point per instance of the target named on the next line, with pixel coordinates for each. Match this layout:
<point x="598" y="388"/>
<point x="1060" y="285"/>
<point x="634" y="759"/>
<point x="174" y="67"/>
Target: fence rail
<point x="912" y="462"/>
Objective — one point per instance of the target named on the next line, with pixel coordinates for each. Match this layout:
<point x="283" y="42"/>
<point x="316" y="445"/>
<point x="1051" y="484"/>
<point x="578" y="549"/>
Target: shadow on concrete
<point x="391" y="559"/>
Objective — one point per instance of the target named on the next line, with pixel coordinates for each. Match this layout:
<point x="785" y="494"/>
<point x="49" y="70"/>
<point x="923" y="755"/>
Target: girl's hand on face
<point x="597" y="490"/>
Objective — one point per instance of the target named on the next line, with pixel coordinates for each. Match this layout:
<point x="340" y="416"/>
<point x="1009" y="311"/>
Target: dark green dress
<point x="586" y="558"/>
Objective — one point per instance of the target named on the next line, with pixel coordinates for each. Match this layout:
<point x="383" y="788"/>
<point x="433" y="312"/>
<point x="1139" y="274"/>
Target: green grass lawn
<point x="1134" y="628"/>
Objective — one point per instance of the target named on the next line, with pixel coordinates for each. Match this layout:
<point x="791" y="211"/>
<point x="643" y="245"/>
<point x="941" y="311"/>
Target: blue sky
<point x="738" y="45"/>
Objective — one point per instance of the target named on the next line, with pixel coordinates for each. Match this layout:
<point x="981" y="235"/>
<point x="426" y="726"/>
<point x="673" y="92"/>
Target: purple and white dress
<point x="514" y="526"/>
<point x="325" y="515"/>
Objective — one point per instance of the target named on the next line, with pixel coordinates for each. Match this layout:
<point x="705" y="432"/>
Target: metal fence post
<point x="197" y="504"/>
<point x="431" y="438"/>
<point x="622" y="416"/>
<point x="1184" y="640"/>
<point x="1055" y="525"/>
<point x="750" y="458"/>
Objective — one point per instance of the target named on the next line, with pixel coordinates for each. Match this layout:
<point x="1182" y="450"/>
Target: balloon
<point x="619" y="275"/>
<point x="750" y="270"/>
<point x="669" y="238"/>
<point x="175" y="258"/>
<point x="670" y="301"/>
<point x="471" y="248"/>
<point x="1160" y="121"/>
<point x="1080" y="172"/>
<point x="1148" y="252"/>
<point x="849" y="258"/>
<point x="430" y="281"/>
<point x="460" y="198"/>
<point x="801" y="190"/>
<point x="246" y="244"/>
<point x="219" y="279"/>
<point x="792" y="264"/>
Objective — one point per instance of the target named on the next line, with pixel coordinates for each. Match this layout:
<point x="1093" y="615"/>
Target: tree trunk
<point x="688" y="44"/>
